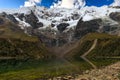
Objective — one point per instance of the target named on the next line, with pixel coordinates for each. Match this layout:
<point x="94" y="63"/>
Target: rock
<point x="1" y="21"/>
<point x="87" y="71"/>
<point x="70" y="77"/>
<point x="39" y="24"/>
<point x="12" y="18"/>
<point x="3" y="14"/>
<point x="52" y="25"/>
<point x="33" y="20"/>
<point x="65" y="20"/>
<point x="75" y="16"/>
<point x="106" y="28"/>
<point x="84" y="28"/>
<point x="115" y="16"/>
<point x="59" y="78"/>
<point x="62" y="26"/>
<point x="65" y="78"/>
<point x="21" y="16"/>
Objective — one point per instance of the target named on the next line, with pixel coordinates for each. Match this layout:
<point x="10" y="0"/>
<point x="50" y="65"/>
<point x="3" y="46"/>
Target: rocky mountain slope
<point x="61" y="28"/>
<point x="14" y="43"/>
<point x="58" y="26"/>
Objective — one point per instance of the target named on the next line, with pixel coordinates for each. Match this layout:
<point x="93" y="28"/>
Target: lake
<point x="33" y="69"/>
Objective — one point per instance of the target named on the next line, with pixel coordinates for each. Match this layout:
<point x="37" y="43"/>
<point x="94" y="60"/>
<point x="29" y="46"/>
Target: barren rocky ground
<point x="107" y="73"/>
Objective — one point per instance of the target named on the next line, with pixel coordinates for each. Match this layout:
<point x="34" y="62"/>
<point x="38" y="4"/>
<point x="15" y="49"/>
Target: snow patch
<point x="22" y="24"/>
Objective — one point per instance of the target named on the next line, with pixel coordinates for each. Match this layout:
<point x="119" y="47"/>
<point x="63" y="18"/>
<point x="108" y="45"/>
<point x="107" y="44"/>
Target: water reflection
<point x="54" y="66"/>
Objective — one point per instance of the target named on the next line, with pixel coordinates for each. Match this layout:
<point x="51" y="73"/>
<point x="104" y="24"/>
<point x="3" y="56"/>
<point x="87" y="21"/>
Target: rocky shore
<point x="108" y="73"/>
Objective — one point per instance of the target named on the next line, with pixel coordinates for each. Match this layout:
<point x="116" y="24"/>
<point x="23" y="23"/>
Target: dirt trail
<point x="86" y="53"/>
<point x="92" y="47"/>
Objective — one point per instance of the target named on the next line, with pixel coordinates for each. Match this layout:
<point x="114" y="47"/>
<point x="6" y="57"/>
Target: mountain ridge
<point x="59" y="27"/>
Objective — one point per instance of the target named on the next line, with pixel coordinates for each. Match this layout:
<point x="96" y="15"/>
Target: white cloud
<point x="69" y="4"/>
<point x="31" y="3"/>
<point x="37" y="1"/>
<point x="116" y="3"/>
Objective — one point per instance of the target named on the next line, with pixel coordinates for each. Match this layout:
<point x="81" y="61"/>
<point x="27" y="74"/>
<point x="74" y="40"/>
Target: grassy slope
<point x="107" y="46"/>
<point x="15" y="43"/>
<point x="9" y="30"/>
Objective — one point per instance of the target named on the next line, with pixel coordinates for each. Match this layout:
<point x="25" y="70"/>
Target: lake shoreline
<point x="110" y="72"/>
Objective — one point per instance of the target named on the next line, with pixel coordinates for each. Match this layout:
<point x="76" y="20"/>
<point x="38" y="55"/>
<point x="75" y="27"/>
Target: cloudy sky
<point x="46" y="3"/>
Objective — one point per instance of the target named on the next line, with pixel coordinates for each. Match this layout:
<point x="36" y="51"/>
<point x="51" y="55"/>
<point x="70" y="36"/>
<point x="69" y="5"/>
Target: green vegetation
<point x="43" y="69"/>
<point x="102" y="62"/>
<point x="37" y="69"/>
<point x="10" y="30"/>
<point x="119" y="76"/>
<point x="26" y="49"/>
<point x="15" y="43"/>
<point x="79" y="50"/>
<point x="107" y="46"/>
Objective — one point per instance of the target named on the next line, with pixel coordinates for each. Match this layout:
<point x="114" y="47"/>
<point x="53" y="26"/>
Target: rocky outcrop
<point x="83" y="28"/>
<point x="75" y="16"/>
<point x="52" y="38"/>
<point x="3" y="14"/>
<point x="1" y="21"/>
<point x="21" y="16"/>
<point x="62" y="26"/>
<point x="12" y="18"/>
<point x="33" y="20"/>
<point x="115" y="16"/>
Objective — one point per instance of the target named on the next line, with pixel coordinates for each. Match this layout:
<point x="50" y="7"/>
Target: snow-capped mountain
<point x="63" y="24"/>
<point x="62" y="15"/>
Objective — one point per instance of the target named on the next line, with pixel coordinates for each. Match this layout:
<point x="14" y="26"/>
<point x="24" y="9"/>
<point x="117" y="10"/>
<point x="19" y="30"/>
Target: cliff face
<point x="115" y="16"/>
<point x="84" y="28"/>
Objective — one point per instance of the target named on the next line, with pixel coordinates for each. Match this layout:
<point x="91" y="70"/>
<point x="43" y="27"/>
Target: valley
<point x="37" y="43"/>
